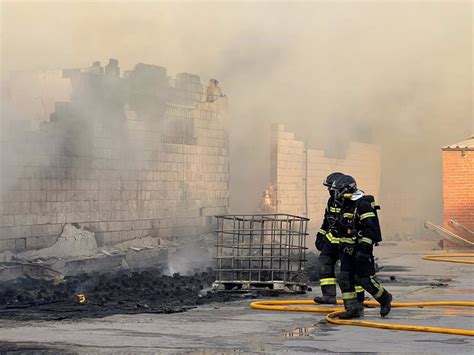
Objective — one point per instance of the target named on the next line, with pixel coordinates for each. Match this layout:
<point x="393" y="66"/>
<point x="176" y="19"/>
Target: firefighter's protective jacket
<point x="359" y="221"/>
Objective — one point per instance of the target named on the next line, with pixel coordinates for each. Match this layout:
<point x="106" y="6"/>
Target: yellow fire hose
<point x="446" y="258"/>
<point x="331" y="317"/>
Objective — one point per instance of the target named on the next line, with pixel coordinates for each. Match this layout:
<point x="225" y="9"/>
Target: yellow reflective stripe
<point x="367" y="215"/>
<point x="334" y="209"/>
<point x="372" y="204"/>
<point x="327" y="281"/>
<point x="348" y="295"/>
<point x="322" y="231"/>
<point x="378" y="286"/>
<point x="359" y="289"/>
<point x="366" y="240"/>
<point x="347" y="240"/>
<point x="348" y="215"/>
<point x="332" y="239"/>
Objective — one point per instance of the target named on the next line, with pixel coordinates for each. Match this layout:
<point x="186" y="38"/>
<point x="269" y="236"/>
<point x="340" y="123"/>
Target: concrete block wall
<point x="288" y="171"/>
<point x="458" y="189"/>
<point x="164" y="177"/>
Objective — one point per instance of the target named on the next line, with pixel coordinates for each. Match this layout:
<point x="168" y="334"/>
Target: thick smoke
<point x="398" y="74"/>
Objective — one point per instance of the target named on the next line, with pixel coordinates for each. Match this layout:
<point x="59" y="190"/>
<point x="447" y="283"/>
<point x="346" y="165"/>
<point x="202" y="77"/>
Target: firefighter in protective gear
<point x="360" y="232"/>
<point x="327" y="241"/>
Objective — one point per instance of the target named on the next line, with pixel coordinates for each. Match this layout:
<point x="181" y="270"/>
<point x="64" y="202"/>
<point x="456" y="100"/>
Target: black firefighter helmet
<point x="331" y="178"/>
<point x="345" y="184"/>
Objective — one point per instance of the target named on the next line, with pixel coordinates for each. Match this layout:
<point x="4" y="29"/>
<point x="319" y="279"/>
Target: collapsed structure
<point x="128" y="156"/>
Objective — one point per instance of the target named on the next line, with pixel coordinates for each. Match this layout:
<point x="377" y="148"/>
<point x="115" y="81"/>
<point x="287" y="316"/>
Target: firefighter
<point x="360" y="232"/>
<point x="327" y="241"/>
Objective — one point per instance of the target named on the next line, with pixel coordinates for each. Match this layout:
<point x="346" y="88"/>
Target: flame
<point x="81" y="298"/>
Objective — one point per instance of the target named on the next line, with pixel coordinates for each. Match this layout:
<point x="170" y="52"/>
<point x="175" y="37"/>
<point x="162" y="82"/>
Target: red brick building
<point x="458" y="188"/>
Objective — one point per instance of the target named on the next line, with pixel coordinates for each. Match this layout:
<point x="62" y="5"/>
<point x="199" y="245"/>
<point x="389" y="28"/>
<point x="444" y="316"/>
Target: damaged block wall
<point x="288" y="173"/>
<point x="126" y="157"/>
<point x="34" y="93"/>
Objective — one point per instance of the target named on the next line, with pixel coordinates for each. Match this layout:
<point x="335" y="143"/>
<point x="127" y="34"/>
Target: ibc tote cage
<point x="261" y="252"/>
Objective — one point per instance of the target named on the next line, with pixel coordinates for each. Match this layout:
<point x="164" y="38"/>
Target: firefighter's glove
<point x="320" y="240"/>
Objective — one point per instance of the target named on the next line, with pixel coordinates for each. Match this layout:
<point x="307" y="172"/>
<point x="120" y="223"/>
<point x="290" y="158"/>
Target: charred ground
<point x="106" y="294"/>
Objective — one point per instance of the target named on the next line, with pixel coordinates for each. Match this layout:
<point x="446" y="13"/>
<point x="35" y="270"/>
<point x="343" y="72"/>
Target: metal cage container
<point x="261" y="252"/>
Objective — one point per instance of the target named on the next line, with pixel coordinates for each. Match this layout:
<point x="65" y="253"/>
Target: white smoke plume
<point x="394" y="73"/>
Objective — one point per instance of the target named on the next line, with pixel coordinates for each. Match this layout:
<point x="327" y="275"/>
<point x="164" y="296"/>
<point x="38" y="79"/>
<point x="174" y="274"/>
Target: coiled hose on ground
<point x="332" y="312"/>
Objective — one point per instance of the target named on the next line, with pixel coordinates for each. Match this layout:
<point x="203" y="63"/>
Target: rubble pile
<point x="106" y="294"/>
<point x="74" y="241"/>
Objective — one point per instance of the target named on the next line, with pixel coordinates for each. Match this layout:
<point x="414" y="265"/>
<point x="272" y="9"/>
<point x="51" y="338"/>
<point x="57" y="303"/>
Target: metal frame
<point x="261" y="252"/>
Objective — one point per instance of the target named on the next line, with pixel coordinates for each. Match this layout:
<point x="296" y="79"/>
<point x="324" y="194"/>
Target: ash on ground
<point x="106" y="294"/>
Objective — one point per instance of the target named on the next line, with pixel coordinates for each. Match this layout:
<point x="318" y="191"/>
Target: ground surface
<point x="234" y="327"/>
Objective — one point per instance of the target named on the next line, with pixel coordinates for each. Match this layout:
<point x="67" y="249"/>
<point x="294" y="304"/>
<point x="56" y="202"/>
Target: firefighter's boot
<point x="329" y="295"/>
<point x="360" y="299"/>
<point x="385" y="303"/>
<point x="352" y="309"/>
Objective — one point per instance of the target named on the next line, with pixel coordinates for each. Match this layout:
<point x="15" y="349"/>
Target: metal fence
<point x="261" y="251"/>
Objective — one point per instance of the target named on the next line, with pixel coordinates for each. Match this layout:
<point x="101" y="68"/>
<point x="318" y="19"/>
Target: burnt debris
<point x="107" y="294"/>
